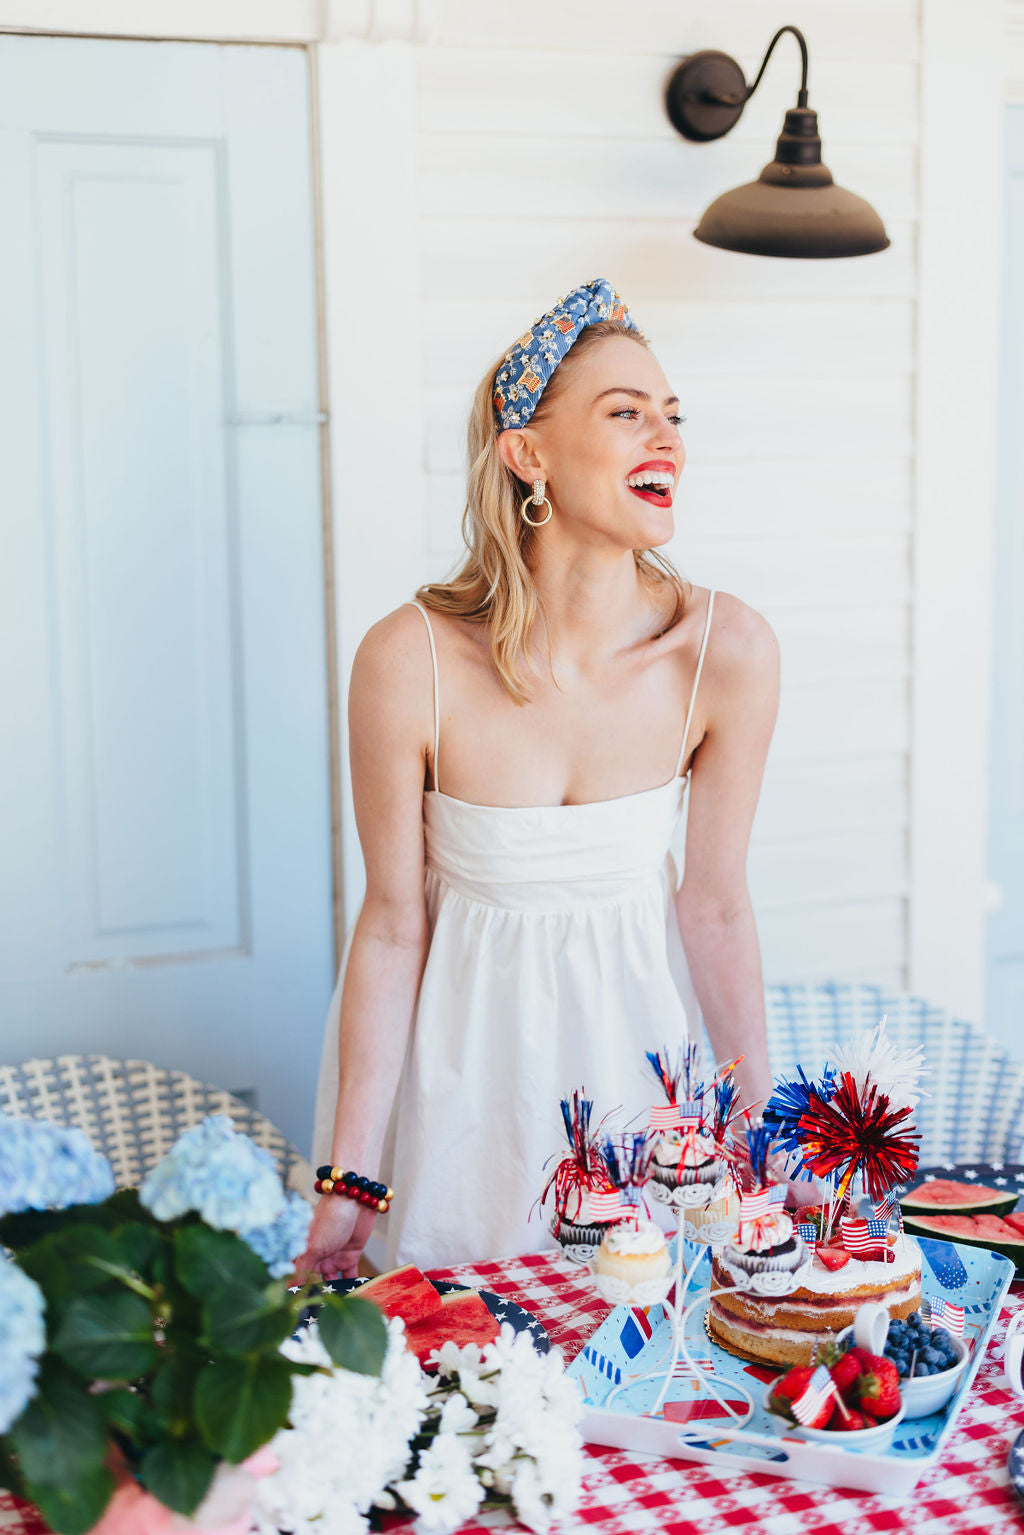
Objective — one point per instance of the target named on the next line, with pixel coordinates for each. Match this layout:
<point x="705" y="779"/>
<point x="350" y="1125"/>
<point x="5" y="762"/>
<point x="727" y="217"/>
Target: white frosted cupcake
<point x="686" y="1160"/>
<point x="634" y="1253"/>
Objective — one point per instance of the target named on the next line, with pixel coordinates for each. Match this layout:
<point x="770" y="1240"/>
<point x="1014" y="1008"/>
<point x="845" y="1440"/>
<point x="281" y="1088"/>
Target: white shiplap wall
<point x="544" y="158"/>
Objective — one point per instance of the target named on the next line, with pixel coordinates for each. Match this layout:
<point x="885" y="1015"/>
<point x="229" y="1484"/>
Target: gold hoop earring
<point x="537" y="499"/>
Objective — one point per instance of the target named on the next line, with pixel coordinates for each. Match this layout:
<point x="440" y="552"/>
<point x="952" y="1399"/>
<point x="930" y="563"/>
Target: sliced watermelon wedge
<point x="404" y="1292"/>
<point x="464" y="1318"/>
<point x="982" y="1230"/>
<point x="1017" y="1222"/>
<point x="946" y="1197"/>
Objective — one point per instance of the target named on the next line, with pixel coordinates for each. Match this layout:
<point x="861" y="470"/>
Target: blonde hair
<point x="494" y="584"/>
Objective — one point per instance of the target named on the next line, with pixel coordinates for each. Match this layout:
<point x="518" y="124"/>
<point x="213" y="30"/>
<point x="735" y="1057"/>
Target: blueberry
<point x="932" y="1356"/>
<point x="922" y="1367"/>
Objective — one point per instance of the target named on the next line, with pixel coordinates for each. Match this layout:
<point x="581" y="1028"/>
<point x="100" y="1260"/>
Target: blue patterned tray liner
<point x="632" y="1340"/>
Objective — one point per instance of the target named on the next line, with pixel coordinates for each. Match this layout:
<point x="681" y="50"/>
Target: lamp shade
<point x="813" y="222"/>
<point x="794" y="208"/>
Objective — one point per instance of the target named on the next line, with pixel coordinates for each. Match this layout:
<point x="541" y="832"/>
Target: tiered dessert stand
<point x="677" y="1364"/>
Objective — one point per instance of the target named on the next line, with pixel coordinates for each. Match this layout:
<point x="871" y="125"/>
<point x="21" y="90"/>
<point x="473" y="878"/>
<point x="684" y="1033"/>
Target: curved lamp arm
<point x="707" y="91"/>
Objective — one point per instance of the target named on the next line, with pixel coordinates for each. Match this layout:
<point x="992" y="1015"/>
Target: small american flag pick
<point x="809" y="1232"/>
<point x="607" y="1206"/>
<point x="777" y="1194"/>
<point x="821" y="1388"/>
<point x="690" y="1112"/>
<point x="755" y="1206"/>
<point x="945" y="1314"/>
<point x="864" y="1237"/>
<point x="664" y="1116"/>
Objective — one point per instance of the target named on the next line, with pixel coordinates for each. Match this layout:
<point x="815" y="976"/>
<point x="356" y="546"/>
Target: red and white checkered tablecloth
<point x="628" y="1494"/>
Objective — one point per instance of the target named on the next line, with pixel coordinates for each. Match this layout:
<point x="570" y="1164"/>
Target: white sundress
<point x="555" y="962"/>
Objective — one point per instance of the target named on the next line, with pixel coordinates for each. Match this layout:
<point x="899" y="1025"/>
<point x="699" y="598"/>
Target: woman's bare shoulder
<point x="743" y="651"/>
<point x="392" y="667"/>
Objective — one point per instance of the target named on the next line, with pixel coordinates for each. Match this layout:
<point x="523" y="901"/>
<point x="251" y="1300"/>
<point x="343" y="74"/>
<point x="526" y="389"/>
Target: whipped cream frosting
<point x="776" y="1228"/>
<point x="645" y="1238"/>
<point x="823" y="1281"/>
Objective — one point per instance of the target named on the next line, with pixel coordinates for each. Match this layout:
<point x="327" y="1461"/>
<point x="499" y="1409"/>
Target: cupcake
<point x="586" y="1212"/>
<point x="765" y="1242"/>
<point x="634" y="1253"/>
<point x="683" y="1159"/>
<point x="586" y="1205"/>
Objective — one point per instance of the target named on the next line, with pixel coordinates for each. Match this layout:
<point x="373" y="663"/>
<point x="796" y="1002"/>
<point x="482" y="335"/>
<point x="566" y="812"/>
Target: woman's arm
<point x="391" y="732"/>
<point x="741" y="692"/>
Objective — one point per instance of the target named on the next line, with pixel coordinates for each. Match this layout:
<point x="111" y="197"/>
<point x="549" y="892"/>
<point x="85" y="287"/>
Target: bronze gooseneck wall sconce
<point x="794" y="208"/>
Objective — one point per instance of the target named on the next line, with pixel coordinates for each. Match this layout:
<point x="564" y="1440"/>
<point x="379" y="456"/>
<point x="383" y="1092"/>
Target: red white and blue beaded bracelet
<point x="335" y="1180"/>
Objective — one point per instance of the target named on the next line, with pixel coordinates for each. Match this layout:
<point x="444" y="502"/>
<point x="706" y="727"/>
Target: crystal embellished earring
<point x="537" y="499"/>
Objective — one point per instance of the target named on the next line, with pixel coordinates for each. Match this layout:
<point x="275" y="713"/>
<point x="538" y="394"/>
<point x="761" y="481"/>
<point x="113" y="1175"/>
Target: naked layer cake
<point x="784" y="1330"/>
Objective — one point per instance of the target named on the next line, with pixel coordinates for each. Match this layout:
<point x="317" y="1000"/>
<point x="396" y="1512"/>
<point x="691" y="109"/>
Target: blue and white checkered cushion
<point x="974" y="1108"/>
<point x="134" y="1111"/>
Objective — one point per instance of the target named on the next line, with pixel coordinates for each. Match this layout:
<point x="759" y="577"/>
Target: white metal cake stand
<point x="686" y="1202"/>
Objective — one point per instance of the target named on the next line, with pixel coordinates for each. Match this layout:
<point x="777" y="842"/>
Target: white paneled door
<point x="1004" y="1001"/>
<point x="165" y="881"/>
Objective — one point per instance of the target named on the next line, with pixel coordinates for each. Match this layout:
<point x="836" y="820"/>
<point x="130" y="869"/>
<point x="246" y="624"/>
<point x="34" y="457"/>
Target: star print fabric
<point x="529" y="364"/>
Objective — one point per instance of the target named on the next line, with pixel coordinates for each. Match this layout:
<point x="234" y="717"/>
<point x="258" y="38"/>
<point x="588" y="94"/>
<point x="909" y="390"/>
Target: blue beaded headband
<point x="522" y="377"/>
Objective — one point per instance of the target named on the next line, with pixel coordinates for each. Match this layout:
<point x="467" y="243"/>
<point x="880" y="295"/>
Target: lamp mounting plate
<point x="693" y="96"/>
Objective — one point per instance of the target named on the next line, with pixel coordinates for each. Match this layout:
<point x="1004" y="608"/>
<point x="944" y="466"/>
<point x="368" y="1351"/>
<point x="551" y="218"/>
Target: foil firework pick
<point x="726" y="1103"/>
<point x="582" y="1171"/>
<point x="684" y="1091"/>
<point x="858" y="1132"/>
<point x="627" y="1163"/>
<point x="872" y="1058"/>
<point x="789" y="1103"/>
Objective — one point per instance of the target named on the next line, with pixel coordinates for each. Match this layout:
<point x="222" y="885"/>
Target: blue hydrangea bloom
<point x="22" y="1340"/>
<point x="226" y="1177"/>
<point x="282" y="1241"/>
<point x="48" y="1167"/>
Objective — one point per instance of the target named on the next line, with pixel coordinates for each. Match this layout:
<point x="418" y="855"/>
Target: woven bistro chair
<point x="974" y="1104"/>
<point x="134" y="1111"/>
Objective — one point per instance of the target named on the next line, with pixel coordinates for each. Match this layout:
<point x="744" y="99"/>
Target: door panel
<point x="1004" y="1003"/>
<point x="166" y="889"/>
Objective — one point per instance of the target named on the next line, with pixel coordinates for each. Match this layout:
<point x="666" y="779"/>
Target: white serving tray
<point x="630" y="1342"/>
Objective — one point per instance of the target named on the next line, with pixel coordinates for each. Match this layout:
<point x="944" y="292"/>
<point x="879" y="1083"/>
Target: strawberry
<point x="832" y="1257"/>
<point x="791" y="1385"/>
<point x="843" y="1367"/>
<point x="853" y="1420"/>
<point x="878" y="1390"/>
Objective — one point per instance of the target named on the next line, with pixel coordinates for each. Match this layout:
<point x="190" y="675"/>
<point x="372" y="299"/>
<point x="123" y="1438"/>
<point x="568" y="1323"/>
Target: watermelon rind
<point x="934" y="1226"/>
<point x="932" y="1197"/>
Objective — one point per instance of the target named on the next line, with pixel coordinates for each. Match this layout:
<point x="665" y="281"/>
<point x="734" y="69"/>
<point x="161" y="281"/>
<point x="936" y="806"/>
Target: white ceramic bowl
<point x="925" y="1394"/>
<point x="871" y="1441"/>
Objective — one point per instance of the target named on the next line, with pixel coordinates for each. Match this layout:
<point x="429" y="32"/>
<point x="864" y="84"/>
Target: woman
<point x="522" y="741"/>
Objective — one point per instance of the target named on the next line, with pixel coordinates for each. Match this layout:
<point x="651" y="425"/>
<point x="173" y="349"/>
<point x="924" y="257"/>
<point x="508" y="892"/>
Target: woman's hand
<point x="339" y="1232"/>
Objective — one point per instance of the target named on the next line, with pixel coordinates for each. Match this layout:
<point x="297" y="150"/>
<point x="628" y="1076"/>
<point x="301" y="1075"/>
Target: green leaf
<point x="354" y="1333"/>
<point x="108" y="1336"/>
<point x="61" y="1436"/>
<point x="208" y="1261"/>
<point x="178" y="1473"/>
<point x="241" y="1403"/>
<point x="74" y="1507"/>
<point x="125" y="1411"/>
<point x="243" y="1320"/>
<point x="172" y="1390"/>
<point x="141" y="1245"/>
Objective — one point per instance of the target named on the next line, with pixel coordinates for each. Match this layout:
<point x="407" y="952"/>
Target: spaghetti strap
<point x="696" y="681"/>
<point x="437" y="696"/>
